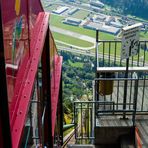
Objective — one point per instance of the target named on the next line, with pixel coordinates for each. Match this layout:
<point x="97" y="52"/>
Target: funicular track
<point x="69" y="138"/>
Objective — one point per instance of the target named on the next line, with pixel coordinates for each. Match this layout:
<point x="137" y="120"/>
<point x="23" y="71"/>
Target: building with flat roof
<point x="109" y="19"/>
<point x="96" y="9"/>
<point x="98" y="18"/>
<point x="116" y="24"/>
<point x="72" y="21"/>
<point x="103" y="28"/>
<point x="72" y="11"/>
<point x="96" y="3"/>
<point x="60" y="10"/>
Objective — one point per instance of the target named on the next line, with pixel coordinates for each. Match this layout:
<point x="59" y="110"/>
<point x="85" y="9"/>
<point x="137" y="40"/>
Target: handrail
<point x="122" y="69"/>
<point x="119" y="40"/>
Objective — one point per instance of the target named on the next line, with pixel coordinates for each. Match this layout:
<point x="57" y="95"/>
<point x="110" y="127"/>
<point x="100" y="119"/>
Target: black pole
<point x="97" y="40"/>
<point x="97" y="35"/>
<point x="97" y="74"/>
<point x="135" y="100"/>
<point x="125" y="88"/>
<point x="4" y="110"/>
<point x="125" y="84"/>
<point x="75" y="126"/>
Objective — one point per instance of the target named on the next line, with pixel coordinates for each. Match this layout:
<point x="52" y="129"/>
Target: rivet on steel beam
<point x="20" y="112"/>
<point x="28" y="82"/>
<point x="15" y="130"/>
<point x="25" y="96"/>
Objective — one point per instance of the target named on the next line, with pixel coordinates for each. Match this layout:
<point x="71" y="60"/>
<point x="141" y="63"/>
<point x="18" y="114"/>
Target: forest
<point x="137" y="8"/>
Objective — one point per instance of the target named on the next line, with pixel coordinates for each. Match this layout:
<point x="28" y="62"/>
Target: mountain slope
<point x="134" y="7"/>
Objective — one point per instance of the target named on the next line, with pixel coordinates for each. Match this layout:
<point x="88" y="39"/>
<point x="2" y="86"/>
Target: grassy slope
<point x="71" y="40"/>
<point x="56" y="21"/>
<point x="81" y="14"/>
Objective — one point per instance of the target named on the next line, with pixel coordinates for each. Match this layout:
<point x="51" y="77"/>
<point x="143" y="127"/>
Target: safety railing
<point x="109" y="53"/>
<point x="115" y="89"/>
<point x="84" y="122"/>
<point x="116" y="99"/>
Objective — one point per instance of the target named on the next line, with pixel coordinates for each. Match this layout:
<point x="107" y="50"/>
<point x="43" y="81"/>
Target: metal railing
<point x="88" y="114"/>
<point x="117" y="90"/>
<point x="135" y="88"/>
<point x="108" y="61"/>
<point x="109" y="54"/>
<point x="84" y="121"/>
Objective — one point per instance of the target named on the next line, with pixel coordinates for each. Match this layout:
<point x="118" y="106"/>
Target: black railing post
<point x="95" y="105"/>
<point x="96" y="52"/>
<point x="97" y="64"/>
<point x="81" y="123"/>
<point x="135" y="100"/>
<point x="126" y="84"/>
<point x="75" y="120"/>
<point x="125" y="88"/>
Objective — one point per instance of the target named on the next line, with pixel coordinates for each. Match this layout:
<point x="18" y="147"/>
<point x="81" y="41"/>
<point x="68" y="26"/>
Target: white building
<point x="109" y="19"/>
<point x="60" y="10"/>
<point x="72" y="11"/>
<point x="116" y="24"/>
<point x="72" y="21"/>
<point x="96" y="3"/>
<point x="98" y="18"/>
<point x="103" y="28"/>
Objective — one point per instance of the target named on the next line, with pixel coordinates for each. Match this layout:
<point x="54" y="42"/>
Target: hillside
<point x="138" y="8"/>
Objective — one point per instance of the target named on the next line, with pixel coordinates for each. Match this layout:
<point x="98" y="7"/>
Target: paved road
<point x="92" y="54"/>
<point x="76" y="47"/>
<point x="73" y="34"/>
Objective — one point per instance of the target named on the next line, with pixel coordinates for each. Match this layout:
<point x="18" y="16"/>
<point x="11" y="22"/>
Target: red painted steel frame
<point x="37" y="43"/>
<point x="55" y="89"/>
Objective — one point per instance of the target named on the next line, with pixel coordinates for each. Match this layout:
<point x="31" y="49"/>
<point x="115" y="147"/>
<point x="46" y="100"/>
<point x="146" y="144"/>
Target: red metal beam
<point x="24" y="97"/>
<point x="55" y="89"/>
<point x="137" y="138"/>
